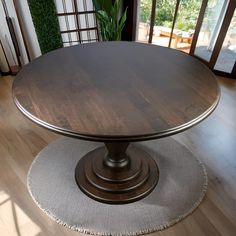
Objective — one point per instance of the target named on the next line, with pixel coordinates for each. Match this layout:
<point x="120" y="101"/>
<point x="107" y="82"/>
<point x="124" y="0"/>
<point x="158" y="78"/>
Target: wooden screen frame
<point x="76" y="13"/>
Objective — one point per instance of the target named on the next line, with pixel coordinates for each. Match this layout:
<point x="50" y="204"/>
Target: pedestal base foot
<point x="117" y="184"/>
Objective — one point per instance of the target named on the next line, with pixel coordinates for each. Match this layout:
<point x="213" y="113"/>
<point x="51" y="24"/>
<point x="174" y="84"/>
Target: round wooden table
<point x="116" y="93"/>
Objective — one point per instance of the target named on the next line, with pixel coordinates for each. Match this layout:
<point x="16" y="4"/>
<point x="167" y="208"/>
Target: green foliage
<point x="145" y="10"/>
<point x="188" y="14"/>
<point x="110" y="23"/>
<point x="165" y="9"/>
<point x="167" y="24"/>
<point x="46" y="24"/>
<point x="104" y="5"/>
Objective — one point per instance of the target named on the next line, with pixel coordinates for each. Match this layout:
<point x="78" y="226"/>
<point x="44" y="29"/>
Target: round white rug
<point x="181" y="187"/>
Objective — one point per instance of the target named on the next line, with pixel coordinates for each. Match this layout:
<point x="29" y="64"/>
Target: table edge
<point x="114" y="138"/>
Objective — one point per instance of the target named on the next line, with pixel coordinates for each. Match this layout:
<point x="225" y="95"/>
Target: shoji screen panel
<point x="77" y="21"/>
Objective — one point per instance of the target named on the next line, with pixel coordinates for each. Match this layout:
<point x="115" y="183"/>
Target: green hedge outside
<point x="46" y="24"/>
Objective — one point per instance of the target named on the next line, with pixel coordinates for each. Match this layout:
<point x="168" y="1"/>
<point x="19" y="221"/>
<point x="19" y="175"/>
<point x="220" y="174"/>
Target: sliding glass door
<point x="168" y="23"/>
<point x="184" y="26"/>
<point x="205" y="29"/>
<point x="227" y="56"/>
<point x="212" y="22"/>
<point x="215" y="36"/>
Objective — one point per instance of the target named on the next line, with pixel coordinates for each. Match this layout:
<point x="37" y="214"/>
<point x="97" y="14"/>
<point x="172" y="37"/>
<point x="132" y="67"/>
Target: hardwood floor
<point x="213" y="141"/>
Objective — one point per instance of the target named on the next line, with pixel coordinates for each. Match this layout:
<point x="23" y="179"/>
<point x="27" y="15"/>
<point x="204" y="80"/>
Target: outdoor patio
<point x="181" y="40"/>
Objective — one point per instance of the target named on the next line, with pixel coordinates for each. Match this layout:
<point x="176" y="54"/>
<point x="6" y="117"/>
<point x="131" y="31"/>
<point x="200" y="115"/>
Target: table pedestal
<point x="117" y="174"/>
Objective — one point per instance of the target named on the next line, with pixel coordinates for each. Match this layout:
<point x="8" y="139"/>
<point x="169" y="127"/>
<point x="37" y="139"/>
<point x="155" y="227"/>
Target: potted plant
<point x="110" y="21"/>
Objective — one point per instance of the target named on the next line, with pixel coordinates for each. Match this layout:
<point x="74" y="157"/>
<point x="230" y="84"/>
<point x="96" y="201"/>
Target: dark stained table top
<point x="116" y="91"/>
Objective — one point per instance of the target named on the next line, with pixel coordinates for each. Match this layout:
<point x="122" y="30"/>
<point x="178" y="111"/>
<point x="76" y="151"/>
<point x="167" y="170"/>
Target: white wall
<point x="28" y="28"/>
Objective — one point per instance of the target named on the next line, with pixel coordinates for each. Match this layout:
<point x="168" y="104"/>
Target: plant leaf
<point x="104" y="5"/>
<point x="123" y="20"/>
<point x="110" y="24"/>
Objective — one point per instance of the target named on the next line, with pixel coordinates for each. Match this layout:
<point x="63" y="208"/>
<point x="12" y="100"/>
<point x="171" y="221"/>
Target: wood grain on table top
<point x="116" y="90"/>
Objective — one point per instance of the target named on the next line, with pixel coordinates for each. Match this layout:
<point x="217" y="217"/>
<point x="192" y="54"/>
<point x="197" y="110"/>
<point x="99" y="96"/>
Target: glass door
<point x="144" y="17"/>
<point x="163" y="22"/>
<point x="212" y="22"/>
<point x="184" y="26"/>
<point x="215" y="36"/>
<point x="227" y="56"/>
<point x="168" y="23"/>
<point x="205" y="29"/>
